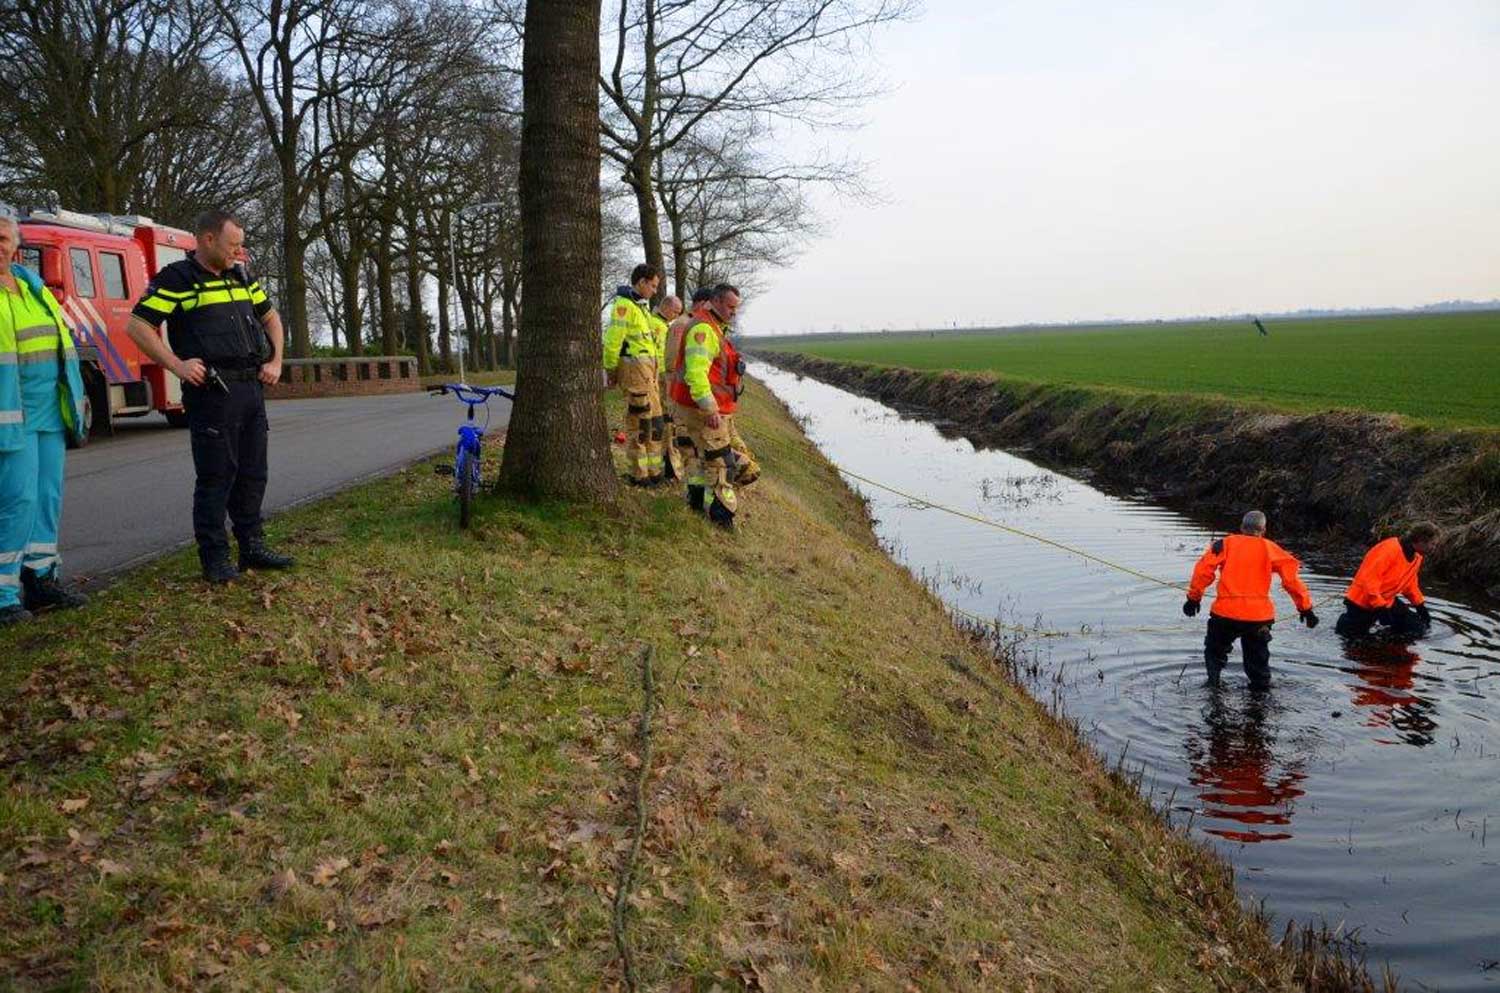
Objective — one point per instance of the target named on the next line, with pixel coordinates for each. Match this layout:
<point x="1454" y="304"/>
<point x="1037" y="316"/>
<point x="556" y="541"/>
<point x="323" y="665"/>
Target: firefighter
<point x="746" y="469"/>
<point x="677" y="437"/>
<point x="661" y="321"/>
<point x="1242" y="607"/>
<point x="41" y="404"/>
<point x="224" y="341"/>
<point x="705" y="386"/>
<point x="1387" y="574"/>
<point x="630" y="359"/>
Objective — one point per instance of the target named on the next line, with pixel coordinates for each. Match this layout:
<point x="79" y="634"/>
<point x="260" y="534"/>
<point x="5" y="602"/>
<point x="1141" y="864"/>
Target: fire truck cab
<point x="98" y="266"/>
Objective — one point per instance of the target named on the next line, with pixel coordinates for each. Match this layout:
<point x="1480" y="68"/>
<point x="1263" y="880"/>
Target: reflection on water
<point x="1237" y="773"/>
<point x="1358" y="790"/>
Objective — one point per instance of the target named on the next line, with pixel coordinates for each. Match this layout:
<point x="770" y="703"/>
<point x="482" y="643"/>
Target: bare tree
<point x="557" y="444"/>
<point x="681" y="66"/>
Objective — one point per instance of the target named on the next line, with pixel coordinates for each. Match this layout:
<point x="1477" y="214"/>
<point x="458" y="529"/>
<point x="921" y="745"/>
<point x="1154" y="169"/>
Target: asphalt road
<point x="129" y="498"/>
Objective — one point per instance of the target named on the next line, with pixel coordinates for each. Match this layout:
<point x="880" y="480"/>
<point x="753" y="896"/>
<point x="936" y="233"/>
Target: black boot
<point x="14" y="614"/>
<point x="721" y="515"/>
<point x="695" y="496"/>
<point x="255" y="554"/>
<point x="42" y="591"/>
<point x="217" y="569"/>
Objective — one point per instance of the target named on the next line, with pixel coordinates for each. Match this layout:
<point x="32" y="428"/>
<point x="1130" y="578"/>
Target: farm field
<point x="1442" y="369"/>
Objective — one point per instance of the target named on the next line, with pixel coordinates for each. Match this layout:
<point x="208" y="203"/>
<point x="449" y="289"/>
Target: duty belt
<point x="246" y="374"/>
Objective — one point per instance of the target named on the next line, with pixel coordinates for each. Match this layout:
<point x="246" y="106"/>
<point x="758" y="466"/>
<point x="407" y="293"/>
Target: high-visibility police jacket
<point x="47" y="341"/>
<point x="707" y="369"/>
<point x="1244" y="564"/>
<point x="629" y="334"/>
<point x="1385" y="573"/>
<point x="213" y="316"/>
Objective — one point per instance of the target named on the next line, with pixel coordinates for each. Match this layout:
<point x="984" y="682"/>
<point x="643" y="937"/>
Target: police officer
<point x="41" y="405"/>
<point x="224" y="342"/>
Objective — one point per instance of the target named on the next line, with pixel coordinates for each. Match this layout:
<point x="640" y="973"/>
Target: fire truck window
<point x="83" y="271"/>
<point x="31" y="258"/>
<point x="112" y="268"/>
<point x="167" y="254"/>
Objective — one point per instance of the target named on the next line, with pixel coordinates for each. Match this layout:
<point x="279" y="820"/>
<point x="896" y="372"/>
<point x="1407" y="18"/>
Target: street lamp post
<point x="453" y="271"/>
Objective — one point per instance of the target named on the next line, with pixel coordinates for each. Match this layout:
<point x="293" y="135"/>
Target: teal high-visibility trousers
<point x="31" y="495"/>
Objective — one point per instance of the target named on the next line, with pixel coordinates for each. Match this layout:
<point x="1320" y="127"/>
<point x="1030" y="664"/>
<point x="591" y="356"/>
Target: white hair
<point x="1254" y="522"/>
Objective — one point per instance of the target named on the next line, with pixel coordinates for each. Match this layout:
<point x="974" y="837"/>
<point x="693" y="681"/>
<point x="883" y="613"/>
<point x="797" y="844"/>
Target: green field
<point x="1443" y="369"/>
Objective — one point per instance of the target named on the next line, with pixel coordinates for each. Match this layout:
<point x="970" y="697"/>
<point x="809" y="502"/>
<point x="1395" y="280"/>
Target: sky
<point x="1060" y="161"/>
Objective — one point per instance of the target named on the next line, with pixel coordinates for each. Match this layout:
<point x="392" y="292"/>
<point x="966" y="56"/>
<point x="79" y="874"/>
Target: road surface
<point x="129" y="498"/>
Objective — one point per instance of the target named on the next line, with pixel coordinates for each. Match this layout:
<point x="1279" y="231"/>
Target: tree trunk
<point x="465" y="331"/>
<point x="293" y="255"/>
<point x="414" y="308"/>
<point x="385" y="273"/>
<point x="557" y="444"/>
<point x="508" y="289"/>
<point x="445" y="339"/>
<point x="354" y="311"/>
<point x="645" y="204"/>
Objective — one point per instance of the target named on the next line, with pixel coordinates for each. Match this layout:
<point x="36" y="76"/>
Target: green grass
<point x="1441" y="369"/>
<point x="500" y="377"/>
<point x="408" y="764"/>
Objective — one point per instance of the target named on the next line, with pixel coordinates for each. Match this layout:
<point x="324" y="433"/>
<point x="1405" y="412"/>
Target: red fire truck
<point x="97" y="267"/>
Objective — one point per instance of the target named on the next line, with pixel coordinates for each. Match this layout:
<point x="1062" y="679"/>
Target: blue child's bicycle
<point x="467" y="455"/>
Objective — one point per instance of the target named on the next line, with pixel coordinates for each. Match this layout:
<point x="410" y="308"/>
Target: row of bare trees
<point x="373" y="145"/>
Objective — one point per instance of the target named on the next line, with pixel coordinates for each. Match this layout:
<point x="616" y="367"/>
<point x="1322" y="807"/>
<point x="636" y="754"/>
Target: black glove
<point x="1308" y="618"/>
<point x="1190" y="607"/>
<point x="1423" y="613"/>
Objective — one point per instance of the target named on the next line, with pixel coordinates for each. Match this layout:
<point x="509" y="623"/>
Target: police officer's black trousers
<point x="1399" y="617"/>
<point x="1255" y="648"/>
<point x="229" y="455"/>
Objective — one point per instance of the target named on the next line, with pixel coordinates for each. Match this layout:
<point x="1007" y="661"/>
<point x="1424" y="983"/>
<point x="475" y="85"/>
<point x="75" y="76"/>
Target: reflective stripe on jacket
<point x="13" y="352"/>
<point x="629" y="333"/>
<point x="1384" y="574"/>
<point x="1243" y="564"/>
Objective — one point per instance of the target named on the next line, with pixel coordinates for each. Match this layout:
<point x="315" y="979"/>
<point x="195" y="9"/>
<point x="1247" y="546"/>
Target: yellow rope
<point x="1016" y="531"/>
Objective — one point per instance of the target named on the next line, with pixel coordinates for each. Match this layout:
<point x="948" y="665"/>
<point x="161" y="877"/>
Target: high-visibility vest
<point x="37" y="344"/>
<point x="706" y="365"/>
<point x="629" y="334"/>
<point x="1244" y="564"/>
<point x="1384" y="574"/>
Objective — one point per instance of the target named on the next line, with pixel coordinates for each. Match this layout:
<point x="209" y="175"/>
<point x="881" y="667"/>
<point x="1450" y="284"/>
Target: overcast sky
<point x="1056" y="161"/>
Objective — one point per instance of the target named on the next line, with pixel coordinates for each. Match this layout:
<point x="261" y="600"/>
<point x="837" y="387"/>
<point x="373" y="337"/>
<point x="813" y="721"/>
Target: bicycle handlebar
<point x="476" y="394"/>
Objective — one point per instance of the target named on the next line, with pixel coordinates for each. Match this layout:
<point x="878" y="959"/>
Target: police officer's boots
<point x="42" y="591"/>
<point x="695" y="495"/>
<point x="14" y="614"/>
<point x="217" y="569"/>
<point x="255" y="554"/>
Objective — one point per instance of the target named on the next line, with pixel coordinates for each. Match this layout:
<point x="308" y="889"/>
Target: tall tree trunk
<point x="445" y="335"/>
<point x="293" y="255"/>
<point x="645" y="204"/>
<point x="414" y="311"/>
<point x="354" y="311"/>
<point x="508" y="288"/>
<point x="557" y="444"/>
<point x="385" y="274"/>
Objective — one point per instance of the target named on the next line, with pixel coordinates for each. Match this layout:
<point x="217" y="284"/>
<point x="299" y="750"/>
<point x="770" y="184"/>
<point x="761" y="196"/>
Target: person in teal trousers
<point x="41" y="403"/>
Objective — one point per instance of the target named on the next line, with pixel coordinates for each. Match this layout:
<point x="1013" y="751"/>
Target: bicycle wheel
<point x="464" y="478"/>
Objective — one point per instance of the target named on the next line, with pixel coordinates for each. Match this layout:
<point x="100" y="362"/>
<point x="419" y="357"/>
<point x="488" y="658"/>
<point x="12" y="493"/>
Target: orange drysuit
<point x="1385" y="573"/>
<point x="1244" y="564"/>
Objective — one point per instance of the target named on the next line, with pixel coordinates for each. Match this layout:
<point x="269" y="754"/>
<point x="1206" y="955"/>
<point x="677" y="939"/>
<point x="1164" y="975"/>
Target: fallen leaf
<point x="326" y="873"/>
<point x="472" y="769"/>
<point x="109" y="867"/>
<point x="631" y="760"/>
<point x="74" y="806"/>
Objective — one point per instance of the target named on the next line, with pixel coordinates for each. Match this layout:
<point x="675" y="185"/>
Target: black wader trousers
<point x="1255" y="648"/>
<point x="229" y="455"/>
<point x="1402" y="620"/>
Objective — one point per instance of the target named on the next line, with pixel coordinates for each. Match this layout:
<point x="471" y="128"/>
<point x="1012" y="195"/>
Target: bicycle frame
<point x="468" y="452"/>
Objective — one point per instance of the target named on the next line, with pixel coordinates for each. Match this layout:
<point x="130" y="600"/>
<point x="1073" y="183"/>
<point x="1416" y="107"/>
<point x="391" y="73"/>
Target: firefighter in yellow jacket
<point x="705" y="387"/>
<point x="631" y="354"/>
<point x="661" y="320"/>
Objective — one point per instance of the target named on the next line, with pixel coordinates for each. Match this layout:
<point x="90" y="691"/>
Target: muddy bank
<point x="1335" y="479"/>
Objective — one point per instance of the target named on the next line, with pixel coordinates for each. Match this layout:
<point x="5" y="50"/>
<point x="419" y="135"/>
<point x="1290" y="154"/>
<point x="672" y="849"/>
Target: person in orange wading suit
<point x="705" y="386"/>
<point x="1389" y="572"/>
<point x="1242" y="607"/>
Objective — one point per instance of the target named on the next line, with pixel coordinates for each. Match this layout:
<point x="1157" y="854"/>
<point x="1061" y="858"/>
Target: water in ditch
<point x="1359" y="791"/>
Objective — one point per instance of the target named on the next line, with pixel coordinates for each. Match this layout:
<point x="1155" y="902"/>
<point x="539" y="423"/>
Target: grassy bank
<point x="498" y="377"/>
<point x="1337" y="479"/>
<point x="413" y="763"/>
<point x="1442" y="369"/>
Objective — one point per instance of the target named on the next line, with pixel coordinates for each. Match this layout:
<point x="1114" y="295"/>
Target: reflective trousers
<point x="31" y="495"/>
<point x="229" y="455"/>
<point x="671" y="451"/>
<point x="644" y="424"/>
<point x="708" y="458"/>
<point x="1255" y="648"/>
<point x="747" y="470"/>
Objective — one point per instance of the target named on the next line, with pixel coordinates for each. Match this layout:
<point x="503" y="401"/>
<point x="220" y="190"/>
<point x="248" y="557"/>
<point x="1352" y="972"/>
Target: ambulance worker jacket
<point x="629" y="334"/>
<point x="706" y="371"/>
<point x="1388" y="570"/>
<point x="34" y="332"/>
<point x="1244" y="564"/>
<point x="215" y="317"/>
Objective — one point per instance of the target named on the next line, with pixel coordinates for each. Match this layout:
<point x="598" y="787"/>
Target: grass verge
<point x="419" y="762"/>
<point x="497" y="377"/>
